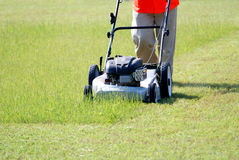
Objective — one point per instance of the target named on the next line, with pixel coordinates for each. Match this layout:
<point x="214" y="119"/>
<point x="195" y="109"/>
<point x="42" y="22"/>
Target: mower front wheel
<point x="152" y="94"/>
<point x="88" y="91"/>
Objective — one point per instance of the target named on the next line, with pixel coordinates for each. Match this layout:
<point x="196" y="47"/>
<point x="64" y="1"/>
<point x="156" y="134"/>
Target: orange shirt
<point x="153" y="6"/>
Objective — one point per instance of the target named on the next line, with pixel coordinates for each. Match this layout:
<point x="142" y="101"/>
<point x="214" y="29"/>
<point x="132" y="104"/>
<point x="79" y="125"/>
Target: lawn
<point x="46" y="48"/>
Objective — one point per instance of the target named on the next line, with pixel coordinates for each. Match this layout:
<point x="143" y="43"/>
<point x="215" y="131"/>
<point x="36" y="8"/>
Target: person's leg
<point x="144" y="39"/>
<point x="169" y="41"/>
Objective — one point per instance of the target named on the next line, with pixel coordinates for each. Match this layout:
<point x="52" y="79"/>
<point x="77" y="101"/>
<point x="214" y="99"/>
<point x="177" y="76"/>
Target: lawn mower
<point x="128" y="76"/>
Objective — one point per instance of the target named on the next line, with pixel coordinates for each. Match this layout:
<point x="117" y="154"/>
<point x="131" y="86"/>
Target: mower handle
<point x="113" y="29"/>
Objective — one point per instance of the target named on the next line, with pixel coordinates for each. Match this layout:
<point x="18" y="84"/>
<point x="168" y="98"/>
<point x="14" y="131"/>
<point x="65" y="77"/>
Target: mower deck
<point x="139" y="93"/>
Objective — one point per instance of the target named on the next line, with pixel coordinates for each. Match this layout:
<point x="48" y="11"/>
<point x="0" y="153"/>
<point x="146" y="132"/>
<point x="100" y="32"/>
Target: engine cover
<point x="123" y="65"/>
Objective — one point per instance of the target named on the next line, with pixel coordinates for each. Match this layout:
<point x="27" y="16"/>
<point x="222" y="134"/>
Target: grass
<point x="46" y="48"/>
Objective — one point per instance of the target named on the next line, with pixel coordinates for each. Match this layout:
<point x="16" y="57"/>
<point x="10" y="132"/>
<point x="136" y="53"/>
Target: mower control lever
<point x="113" y="18"/>
<point x="166" y="32"/>
<point x="108" y="34"/>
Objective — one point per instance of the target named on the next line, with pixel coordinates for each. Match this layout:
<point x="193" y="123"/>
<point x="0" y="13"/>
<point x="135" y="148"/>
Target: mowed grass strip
<point x="47" y="47"/>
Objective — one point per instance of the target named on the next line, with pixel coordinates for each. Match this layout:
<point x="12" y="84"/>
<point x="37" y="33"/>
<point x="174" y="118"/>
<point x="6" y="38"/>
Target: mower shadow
<point x="228" y="88"/>
<point x="176" y="96"/>
<point x="224" y="87"/>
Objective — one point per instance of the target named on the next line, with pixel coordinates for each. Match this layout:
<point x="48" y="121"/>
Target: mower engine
<point x="125" y="71"/>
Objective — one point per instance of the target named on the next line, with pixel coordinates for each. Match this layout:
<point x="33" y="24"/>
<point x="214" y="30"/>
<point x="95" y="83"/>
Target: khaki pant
<point x="144" y="39"/>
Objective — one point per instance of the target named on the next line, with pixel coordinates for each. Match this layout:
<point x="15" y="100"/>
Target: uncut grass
<point x="112" y="110"/>
<point x="45" y="54"/>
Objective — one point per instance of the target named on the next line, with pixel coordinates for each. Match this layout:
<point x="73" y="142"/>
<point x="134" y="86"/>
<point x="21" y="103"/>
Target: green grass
<point x="46" y="48"/>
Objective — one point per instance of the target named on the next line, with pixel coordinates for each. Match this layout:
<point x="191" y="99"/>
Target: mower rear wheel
<point x="152" y="94"/>
<point x="93" y="73"/>
<point x="166" y="80"/>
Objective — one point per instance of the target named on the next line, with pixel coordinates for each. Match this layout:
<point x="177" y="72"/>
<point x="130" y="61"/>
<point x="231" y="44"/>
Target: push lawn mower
<point x="128" y="76"/>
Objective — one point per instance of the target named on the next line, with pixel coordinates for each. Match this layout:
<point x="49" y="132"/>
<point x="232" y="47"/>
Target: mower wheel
<point x="87" y="91"/>
<point x="93" y="73"/>
<point x="152" y="94"/>
<point x="166" y="80"/>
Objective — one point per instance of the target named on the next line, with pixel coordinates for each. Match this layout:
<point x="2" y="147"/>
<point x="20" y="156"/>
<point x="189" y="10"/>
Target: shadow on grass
<point x="176" y="96"/>
<point x="220" y="87"/>
<point x="225" y="86"/>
